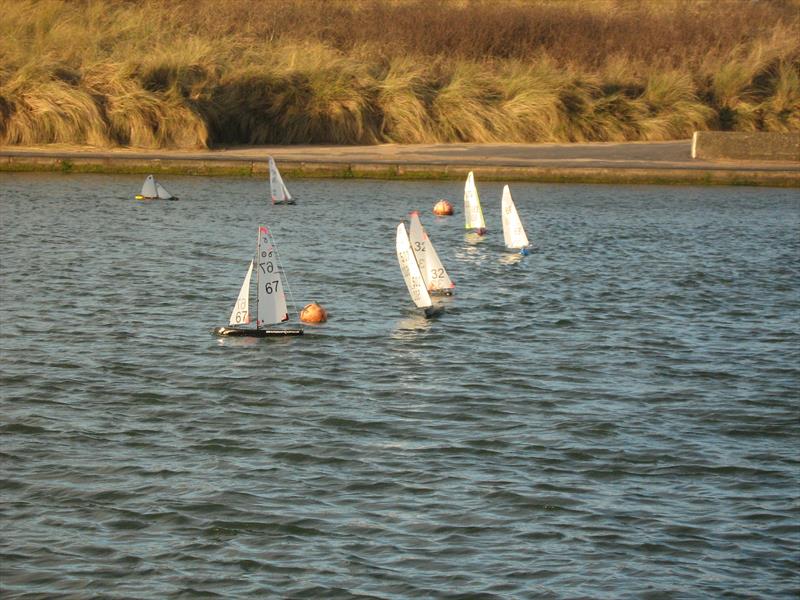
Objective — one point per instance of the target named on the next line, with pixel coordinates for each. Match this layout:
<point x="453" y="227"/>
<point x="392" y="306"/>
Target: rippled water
<point x="615" y="415"/>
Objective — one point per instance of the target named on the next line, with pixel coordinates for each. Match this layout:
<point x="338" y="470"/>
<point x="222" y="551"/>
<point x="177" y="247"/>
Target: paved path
<point x="604" y="161"/>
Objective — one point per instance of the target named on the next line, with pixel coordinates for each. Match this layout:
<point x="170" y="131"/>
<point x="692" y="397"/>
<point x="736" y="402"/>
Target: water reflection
<point x="238" y="341"/>
<point x="471" y="252"/>
<point x="411" y="326"/>
<point x="511" y="259"/>
<point x="248" y="341"/>
<point x="474" y="238"/>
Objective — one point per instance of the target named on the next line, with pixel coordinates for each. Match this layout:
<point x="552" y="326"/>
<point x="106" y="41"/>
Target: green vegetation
<point x="198" y="73"/>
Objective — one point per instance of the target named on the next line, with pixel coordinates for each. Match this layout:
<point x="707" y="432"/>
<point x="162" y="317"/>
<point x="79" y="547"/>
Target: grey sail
<point x="162" y="193"/>
<point x="149" y="188"/>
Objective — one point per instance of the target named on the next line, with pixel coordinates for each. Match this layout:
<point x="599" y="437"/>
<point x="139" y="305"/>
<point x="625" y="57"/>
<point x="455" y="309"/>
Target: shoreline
<point x="661" y="163"/>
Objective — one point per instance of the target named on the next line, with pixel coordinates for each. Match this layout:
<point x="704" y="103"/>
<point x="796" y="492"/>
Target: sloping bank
<point x="633" y="162"/>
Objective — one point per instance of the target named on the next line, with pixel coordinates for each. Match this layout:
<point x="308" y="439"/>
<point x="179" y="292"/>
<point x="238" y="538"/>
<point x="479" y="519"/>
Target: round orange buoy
<point x="443" y="208"/>
<point x="313" y="313"/>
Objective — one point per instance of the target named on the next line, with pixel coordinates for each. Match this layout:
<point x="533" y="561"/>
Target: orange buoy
<point x="443" y="208"/>
<point x="313" y="313"/>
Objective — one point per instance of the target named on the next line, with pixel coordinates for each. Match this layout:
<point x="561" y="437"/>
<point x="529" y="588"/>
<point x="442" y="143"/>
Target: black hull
<point x="431" y="312"/>
<point x="285" y="202"/>
<point x="259" y="333"/>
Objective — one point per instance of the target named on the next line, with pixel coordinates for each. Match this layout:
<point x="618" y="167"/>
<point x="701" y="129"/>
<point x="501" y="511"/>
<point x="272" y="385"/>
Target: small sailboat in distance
<point x="513" y="233"/>
<point x="434" y="275"/>
<point x="277" y="189"/>
<point x="153" y="190"/>
<point x="411" y="273"/>
<point x="270" y="298"/>
<point x="472" y="207"/>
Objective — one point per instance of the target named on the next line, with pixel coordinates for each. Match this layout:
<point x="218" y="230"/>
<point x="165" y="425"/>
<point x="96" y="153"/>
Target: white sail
<point x="149" y="188"/>
<point x="433" y="273"/>
<point x="271" y="298"/>
<point x="277" y="188"/>
<point x="472" y="205"/>
<point x="410" y="269"/>
<point x="513" y="233"/>
<point x="241" y="310"/>
<point x="162" y="193"/>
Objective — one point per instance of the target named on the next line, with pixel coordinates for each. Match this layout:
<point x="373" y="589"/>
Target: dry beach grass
<point x="198" y="73"/>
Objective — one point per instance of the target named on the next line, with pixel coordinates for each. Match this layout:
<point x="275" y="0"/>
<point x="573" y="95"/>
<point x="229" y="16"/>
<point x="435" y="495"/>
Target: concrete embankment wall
<point x="292" y="168"/>
<point x="734" y="145"/>
<point x="616" y="163"/>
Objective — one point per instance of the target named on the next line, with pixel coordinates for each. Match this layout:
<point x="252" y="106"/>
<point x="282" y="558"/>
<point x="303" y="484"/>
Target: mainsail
<point x="277" y="188"/>
<point x="433" y="272"/>
<point x="410" y="269"/>
<point x="271" y="298"/>
<point x="149" y="188"/>
<point x="472" y="205"/>
<point x="513" y="233"/>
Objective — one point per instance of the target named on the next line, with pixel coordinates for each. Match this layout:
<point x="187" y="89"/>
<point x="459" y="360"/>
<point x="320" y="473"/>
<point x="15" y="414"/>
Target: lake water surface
<point x="615" y="415"/>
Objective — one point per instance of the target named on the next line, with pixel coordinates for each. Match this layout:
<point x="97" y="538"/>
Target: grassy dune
<point x="198" y="73"/>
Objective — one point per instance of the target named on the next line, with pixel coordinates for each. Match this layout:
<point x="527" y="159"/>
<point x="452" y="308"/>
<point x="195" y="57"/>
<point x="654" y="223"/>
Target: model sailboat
<point x="436" y="280"/>
<point x="280" y="194"/>
<point x="411" y="272"/>
<point x="153" y="190"/>
<point x="513" y="233"/>
<point x="472" y="207"/>
<point x="270" y="298"/>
